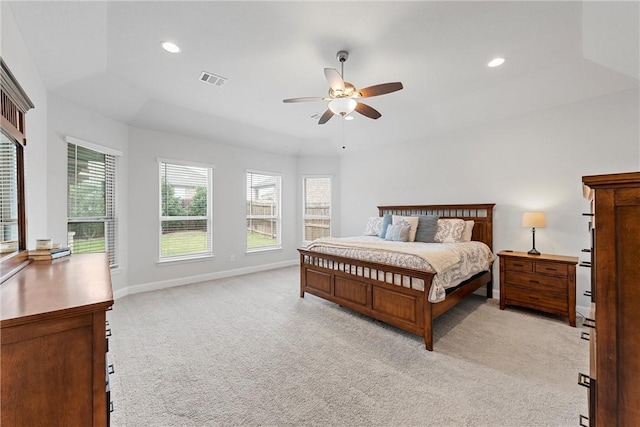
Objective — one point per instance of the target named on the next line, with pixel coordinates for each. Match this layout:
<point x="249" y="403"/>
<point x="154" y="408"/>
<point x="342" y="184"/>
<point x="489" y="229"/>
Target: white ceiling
<point x="107" y="57"/>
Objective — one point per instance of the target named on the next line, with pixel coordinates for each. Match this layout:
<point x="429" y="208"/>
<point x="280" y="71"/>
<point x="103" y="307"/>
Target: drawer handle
<point x="584" y="420"/>
<point x="589" y="323"/>
<point x="110" y="369"/>
<point x="584" y="380"/>
<point x="108" y="332"/>
<point x="587" y="293"/>
<point x="518" y="264"/>
<point x="534" y="281"/>
<point x="111" y="406"/>
<point x="534" y="298"/>
<point x="585" y="264"/>
<point x="551" y="269"/>
<point x="585" y="336"/>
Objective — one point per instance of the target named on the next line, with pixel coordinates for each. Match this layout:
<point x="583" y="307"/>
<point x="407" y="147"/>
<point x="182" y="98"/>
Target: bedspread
<point x="452" y="262"/>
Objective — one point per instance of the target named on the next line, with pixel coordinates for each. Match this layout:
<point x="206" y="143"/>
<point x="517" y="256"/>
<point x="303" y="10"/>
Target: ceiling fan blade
<point x="380" y="89"/>
<point x="305" y="99"/>
<point x="335" y="80"/>
<point x="367" y="111"/>
<point x="325" y="117"/>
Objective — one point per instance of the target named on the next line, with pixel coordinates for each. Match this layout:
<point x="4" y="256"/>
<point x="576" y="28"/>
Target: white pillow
<point x="409" y="220"/>
<point x="398" y="232"/>
<point x="449" y="230"/>
<point x="374" y="226"/>
<point x="467" y="232"/>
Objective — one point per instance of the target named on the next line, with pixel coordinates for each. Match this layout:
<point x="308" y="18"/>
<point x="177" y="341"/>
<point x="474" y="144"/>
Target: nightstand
<point x="541" y="282"/>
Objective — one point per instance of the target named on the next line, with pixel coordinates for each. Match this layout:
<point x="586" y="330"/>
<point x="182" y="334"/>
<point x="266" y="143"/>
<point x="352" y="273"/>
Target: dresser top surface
<point x="79" y="282"/>
<point x="541" y="257"/>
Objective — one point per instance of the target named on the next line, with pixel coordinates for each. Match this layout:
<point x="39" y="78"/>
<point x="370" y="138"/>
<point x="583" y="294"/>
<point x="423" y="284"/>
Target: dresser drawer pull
<point x="585" y="336"/>
<point x="108" y="332"/>
<point x="534" y="281"/>
<point x="587" y="293"/>
<point x="586" y="250"/>
<point x="584" y="380"/>
<point x="589" y="323"/>
<point x="517" y="264"/>
<point x="534" y="298"/>
<point x="551" y="269"/>
<point x="584" y="421"/>
<point x="585" y="264"/>
<point x="111" y="406"/>
<point x="110" y="369"/>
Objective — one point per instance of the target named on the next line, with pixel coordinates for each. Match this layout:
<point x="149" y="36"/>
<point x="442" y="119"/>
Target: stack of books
<point x="49" y="254"/>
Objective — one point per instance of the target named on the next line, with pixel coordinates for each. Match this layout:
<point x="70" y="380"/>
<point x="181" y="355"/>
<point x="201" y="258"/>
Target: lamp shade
<point x="533" y="220"/>
<point x="342" y="106"/>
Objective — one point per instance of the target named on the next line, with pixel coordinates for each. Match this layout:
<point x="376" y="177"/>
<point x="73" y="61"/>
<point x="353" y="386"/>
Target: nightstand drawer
<point x="537" y="282"/>
<point x="536" y="300"/>
<point x="518" y="265"/>
<point x="551" y="268"/>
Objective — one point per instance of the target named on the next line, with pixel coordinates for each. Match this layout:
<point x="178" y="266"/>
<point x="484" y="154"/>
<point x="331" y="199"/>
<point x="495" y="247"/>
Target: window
<point x="91" y="199"/>
<point x="316" y="194"/>
<point x="186" y="210"/>
<point x="263" y="211"/>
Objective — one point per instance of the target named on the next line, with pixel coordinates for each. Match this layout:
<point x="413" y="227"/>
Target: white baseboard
<point x="154" y="286"/>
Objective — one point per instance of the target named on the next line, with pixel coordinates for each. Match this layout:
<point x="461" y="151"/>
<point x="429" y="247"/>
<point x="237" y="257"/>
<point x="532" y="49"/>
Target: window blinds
<point x="91" y="201"/>
<point x="8" y="192"/>
<point x="185" y="211"/>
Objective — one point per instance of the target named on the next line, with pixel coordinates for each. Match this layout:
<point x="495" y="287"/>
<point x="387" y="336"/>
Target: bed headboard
<point x="481" y="214"/>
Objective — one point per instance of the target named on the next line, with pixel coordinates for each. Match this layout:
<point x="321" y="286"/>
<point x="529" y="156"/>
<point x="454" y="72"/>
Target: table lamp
<point x="533" y="220"/>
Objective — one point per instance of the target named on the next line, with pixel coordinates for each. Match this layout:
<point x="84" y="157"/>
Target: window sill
<point x="185" y="260"/>
<point x="262" y="250"/>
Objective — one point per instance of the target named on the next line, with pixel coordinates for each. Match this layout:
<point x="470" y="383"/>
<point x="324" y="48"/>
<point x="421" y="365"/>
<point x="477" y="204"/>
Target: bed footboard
<point x="377" y="291"/>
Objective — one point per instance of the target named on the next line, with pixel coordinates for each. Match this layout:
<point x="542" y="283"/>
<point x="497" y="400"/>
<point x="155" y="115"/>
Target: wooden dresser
<point x="614" y="376"/>
<point x="52" y="367"/>
<point x="541" y="282"/>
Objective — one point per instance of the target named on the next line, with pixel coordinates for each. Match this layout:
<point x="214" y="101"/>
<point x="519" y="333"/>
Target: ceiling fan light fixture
<point x="342" y="106"/>
<point x="349" y="117"/>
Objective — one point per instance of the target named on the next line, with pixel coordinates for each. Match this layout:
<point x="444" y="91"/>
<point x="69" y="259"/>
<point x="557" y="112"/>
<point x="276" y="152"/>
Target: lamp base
<point x="533" y="252"/>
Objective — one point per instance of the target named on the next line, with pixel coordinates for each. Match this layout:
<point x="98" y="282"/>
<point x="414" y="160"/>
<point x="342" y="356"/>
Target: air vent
<point x="212" y="79"/>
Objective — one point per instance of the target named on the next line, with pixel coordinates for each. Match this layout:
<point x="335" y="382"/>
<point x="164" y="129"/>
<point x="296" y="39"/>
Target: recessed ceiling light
<point x="170" y="47"/>
<point x="495" y="62"/>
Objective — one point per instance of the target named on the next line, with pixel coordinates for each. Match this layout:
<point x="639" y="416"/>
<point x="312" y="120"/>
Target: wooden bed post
<point x="302" y="276"/>
<point x="428" y="323"/>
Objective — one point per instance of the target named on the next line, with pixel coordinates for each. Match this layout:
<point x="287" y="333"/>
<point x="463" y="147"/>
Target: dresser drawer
<point x="536" y="282"/>
<point x="518" y="265"/>
<point x="536" y="300"/>
<point x="551" y="268"/>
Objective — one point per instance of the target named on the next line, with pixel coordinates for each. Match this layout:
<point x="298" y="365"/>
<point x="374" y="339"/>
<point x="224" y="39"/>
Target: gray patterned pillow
<point x="374" y="226"/>
<point x="449" y="230"/>
<point x="398" y="233"/>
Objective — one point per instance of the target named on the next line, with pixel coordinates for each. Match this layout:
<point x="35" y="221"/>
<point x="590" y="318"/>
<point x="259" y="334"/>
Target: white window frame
<point x="112" y="243"/>
<point x="329" y="217"/>
<point x="278" y="217"/>
<point x="209" y="217"/>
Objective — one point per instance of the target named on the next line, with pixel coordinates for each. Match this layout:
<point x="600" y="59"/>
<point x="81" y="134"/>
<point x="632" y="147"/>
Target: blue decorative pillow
<point x="427" y="227"/>
<point x="398" y="232"/>
<point x="386" y="221"/>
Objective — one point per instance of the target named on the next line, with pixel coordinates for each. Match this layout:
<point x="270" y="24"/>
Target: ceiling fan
<point x="344" y="98"/>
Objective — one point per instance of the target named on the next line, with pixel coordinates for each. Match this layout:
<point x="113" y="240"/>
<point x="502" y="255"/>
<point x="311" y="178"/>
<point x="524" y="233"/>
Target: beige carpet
<point x="247" y="351"/>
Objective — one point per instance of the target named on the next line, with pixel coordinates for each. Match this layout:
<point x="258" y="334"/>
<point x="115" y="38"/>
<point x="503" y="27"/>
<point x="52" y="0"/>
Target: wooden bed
<point x="330" y="277"/>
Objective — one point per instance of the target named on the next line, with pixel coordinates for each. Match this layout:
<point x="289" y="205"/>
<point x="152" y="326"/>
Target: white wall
<point x="532" y="162"/>
<point x="13" y="51"/>
<point x="69" y="119"/>
<point x="229" y="211"/>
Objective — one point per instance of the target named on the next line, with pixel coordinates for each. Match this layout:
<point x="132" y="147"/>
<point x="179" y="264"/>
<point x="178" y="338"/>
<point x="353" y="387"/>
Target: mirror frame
<point x="15" y="104"/>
